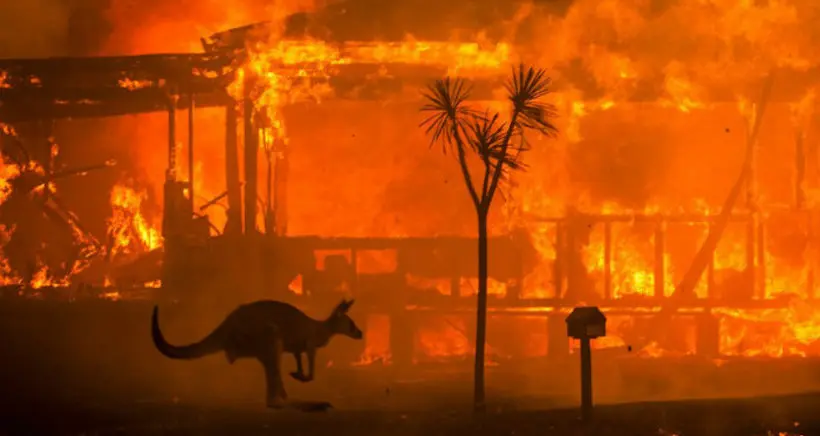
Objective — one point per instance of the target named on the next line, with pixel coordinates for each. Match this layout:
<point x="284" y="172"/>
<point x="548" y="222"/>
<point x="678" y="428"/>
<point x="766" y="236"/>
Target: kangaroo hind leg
<point x="270" y="357"/>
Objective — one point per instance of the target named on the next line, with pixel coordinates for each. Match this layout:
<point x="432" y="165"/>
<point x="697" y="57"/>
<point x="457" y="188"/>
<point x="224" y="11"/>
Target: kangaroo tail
<point x="211" y="344"/>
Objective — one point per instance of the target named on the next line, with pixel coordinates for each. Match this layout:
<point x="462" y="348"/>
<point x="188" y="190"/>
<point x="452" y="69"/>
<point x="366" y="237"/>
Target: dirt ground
<point x="91" y="369"/>
<point x="782" y="416"/>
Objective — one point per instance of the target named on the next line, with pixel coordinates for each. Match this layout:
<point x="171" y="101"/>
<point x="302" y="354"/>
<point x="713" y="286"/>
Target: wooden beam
<point x="232" y="181"/>
<point x="22" y="109"/>
<point x="251" y="138"/>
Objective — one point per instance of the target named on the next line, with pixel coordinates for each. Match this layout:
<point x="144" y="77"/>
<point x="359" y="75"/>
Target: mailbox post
<point x="584" y="324"/>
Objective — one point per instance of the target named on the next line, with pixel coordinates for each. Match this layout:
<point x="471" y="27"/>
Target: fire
<point x="133" y="85"/>
<point x="128" y="226"/>
<point x="683" y="51"/>
<point x="292" y="71"/>
<point x="681" y="92"/>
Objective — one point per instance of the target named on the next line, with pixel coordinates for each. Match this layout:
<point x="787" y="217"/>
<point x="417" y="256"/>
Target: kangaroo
<point x="263" y="330"/>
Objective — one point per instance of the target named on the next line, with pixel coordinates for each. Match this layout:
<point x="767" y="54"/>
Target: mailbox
<point x="586" y="323"/>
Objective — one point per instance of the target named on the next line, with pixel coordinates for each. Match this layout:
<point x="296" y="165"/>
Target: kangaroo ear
<point x="344" y="306"/>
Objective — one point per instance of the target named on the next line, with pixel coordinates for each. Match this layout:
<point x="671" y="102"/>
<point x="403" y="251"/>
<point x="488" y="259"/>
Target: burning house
<point x="328" y="189"/>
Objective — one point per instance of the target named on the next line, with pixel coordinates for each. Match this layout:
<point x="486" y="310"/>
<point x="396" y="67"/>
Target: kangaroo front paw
<point x="301" y="377"/>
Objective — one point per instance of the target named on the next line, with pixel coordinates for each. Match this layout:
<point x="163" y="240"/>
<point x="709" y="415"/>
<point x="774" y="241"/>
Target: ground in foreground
<point x="782" y="416"/>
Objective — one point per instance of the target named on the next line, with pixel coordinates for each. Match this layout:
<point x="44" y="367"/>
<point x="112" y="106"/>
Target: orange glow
<point x="360" y="168"/>
<point x="127" y="225"/>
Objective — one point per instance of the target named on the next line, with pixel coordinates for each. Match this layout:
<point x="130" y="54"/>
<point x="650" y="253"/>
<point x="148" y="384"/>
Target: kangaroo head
<point x="341" y="324"/>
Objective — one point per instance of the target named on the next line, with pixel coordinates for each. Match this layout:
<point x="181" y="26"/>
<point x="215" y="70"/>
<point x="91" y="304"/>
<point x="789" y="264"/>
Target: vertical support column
<point x="455" y="287"/>
<point x="570" y="260"/>
<point x="751" y="270"/>
<point x="170" y="206"/>
<point x="171" y="171"/>
<point x="660" y="259"/>
<point x="191" y="104"/>
<point x="760" y="279"/>
<point x="251" y="158"/>
<point x="280" y="191"/>
<point x="270" y="195"/>
<point x="710" y="272"/>
<point x="171" y="259"/>
<point x="354" y="272"/>
<point x="608" y="260"/>
<point x="232" y="181"/>
<point x="557" y="341"/>
<point x="560" y="255"/>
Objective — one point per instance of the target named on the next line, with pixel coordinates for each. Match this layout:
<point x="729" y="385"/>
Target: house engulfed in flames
<point x="611" y="213"/>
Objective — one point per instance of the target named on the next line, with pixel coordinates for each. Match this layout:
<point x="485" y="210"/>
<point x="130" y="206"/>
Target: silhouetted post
<point x="251" y="155"/>
<point x="281" y="172"/>
<point x="234" y="186"/>
<point x="170" y="173"/>
<point x="585" y="324"/>
<point x="191" y="106"/>
<point x="586" y="381"/>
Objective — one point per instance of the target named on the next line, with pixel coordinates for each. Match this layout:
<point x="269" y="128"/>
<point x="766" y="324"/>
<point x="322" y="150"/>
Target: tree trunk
<point x="481" y="313"/>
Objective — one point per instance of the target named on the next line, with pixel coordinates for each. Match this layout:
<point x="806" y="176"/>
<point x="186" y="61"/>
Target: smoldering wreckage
<point x="746" y="294"/>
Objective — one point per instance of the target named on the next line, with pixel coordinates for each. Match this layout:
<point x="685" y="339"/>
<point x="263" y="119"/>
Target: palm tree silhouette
<point x="499" y="145"/>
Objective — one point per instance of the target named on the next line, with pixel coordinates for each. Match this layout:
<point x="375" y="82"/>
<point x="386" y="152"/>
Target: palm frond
<point x="446" y="101"/>
<point x="485" y="134"/>
<point x="525" y="88"/>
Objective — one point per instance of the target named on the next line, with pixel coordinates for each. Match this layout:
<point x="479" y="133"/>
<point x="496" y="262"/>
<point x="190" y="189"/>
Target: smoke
<point x="160" y="26"/>
<point x="35" y="28"/>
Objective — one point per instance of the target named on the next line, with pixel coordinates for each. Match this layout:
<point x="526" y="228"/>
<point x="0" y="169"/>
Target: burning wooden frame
<point x="35" y="89"/>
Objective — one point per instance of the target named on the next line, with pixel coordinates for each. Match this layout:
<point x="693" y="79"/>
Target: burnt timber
<point x="93" y="87"/>
<point x="57" y="88"/>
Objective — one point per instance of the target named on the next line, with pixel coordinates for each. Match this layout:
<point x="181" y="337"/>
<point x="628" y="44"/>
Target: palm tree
<point x="499" y="145"/>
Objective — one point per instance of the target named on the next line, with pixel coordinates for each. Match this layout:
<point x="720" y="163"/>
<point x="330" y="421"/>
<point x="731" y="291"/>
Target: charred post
<point x="608" y="260"/>
<point x="191" y="105"/>
<point x="710" y="278"/>
<point x="751" y="269"/>
<point x="558" y="264"/>
<point x="280" y="183"/>
<point x="233" y="184"/>
<point x="660" y="259"/>
<point x="251" y="157"/>
<point x="170" y="197"/>
<point x="585" y="324"/>
<point x="172" y="139"/>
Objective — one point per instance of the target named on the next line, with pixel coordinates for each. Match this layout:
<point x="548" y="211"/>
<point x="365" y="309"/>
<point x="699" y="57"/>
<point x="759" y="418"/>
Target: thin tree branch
<point x="465" y="170"/>
<point x="500" y="164"/>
